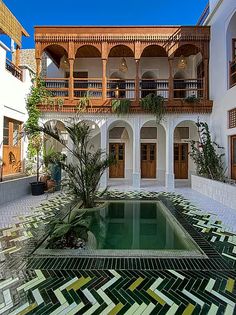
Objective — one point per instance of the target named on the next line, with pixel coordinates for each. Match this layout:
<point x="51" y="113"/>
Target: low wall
<point x="15" y="188"/>
<point x="221" y="192"/>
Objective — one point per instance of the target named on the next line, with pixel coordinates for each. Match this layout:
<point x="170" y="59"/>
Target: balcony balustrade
<point x="232" y="73"/>
<point x="14" y="70"/>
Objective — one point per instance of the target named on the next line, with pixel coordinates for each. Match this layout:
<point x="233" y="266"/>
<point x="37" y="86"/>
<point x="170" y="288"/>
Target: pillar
<point x="136" y="153"/>
<point x="170" y="178"/>
<point x="103" y="129"/>
<point x="206" y="79"/>
<point x="17" y="56"/>
<point x="71" y="78"/>
<point x="171" y="81"/>
<point x="104" y="79"/>
<point x="137" y="62"/>
<point x="38" y="67"/>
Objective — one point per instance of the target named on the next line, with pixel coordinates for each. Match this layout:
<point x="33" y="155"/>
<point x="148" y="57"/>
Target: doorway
<point x="181" y="160"/>
<point x="148" y="160"/>
<point x="233" y="157"/>
<point x="117" y="170"/>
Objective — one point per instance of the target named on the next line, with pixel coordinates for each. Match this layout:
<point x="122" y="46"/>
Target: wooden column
<point x="38" y="67"/>
<point x="137" y="62"/>
<point x="71" y="78"/>
<point x="17" y="56"/>
<point x="104" y="79"/>
<point x="171" y="80"/>
<point x="206" y="79"/>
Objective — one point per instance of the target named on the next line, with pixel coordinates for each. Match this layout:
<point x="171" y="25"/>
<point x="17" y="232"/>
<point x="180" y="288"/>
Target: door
<point x="233" y="157"/>
<point x="181" y="160"/>
<point x="148" y="160"/>
<point x="117" y="170"/>
<point x="11" y="147"/>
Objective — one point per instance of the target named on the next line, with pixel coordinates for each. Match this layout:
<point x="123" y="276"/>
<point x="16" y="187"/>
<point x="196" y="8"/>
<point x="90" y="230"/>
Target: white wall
<point x="12" y="95"/>
<point x="94" y="67"/>
<point x="220" y="55"/>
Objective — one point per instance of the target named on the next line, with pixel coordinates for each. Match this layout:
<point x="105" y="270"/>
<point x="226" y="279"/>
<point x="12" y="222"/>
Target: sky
<point x="103" y="12"/>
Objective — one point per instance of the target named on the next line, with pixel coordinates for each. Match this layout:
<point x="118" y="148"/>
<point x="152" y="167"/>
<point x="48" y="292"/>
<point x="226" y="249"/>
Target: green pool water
<point x="138" y="225"/>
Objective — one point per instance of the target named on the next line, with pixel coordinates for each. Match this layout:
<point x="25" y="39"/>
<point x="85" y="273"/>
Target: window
<point x="6" y="131"/>
<point x="181" y="133"/>
<point x="232" y="118"/>
<point x="233" y="49"/>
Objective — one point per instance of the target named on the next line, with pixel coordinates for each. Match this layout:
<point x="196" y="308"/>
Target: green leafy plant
<point x="60" y="102"/>
<point x="155" y="105"/>
<point x="208" y="161"/>
<point x="85" y="173"/>
<point x="38" y="95"/>
<point x="192" y="99"/>
<point x="36" y="143"/>
<point x="120" y="106"/>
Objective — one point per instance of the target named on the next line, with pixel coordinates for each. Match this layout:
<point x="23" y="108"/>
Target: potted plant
<point x="37" y="188"/>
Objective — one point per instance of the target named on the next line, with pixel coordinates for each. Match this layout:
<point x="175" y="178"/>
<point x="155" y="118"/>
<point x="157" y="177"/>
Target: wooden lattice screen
<point x="232" y="118"/>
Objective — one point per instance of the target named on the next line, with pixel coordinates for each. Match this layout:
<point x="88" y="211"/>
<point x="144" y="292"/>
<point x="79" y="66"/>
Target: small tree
<point x="36" y="143"/>
<point x="204" y="153"/>
<point x="85" y="172"/>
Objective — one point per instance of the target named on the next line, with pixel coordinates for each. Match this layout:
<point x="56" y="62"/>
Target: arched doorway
<point x="231" y="50"/>
<point x="152" y="155"/>
<point x="117" y="85"/>
<point x="121" y="147"/>
<point x="184" y="133"/>
<point x="179" y="85"/>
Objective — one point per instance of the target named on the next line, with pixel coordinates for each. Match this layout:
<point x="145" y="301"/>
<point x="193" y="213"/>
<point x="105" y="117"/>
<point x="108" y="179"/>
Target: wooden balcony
<point x="183" y="91"/>
<point x="232" y="73"/>
<point x="14" y="70"/>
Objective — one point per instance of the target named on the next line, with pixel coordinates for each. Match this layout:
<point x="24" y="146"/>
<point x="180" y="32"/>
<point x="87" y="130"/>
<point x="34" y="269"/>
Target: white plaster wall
<point x="93" y="66"/>
<point x="223" y="193"/>
<point x="12" y="96"/>
<point x="220" y="55"/>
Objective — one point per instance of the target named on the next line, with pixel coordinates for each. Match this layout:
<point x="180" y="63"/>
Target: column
<point x="170" y="178"/>
<point x="17" y="56"/>
<point x="137" y="62"/>
<point x="104" y="79"/>
<point x="71" y="78"/>
<point x="136" y="153"/>
<point x="206" y="79"/>
<point x="171" y="81"/>
<point x="38" y="67"/>
<point x="103" y="129"/>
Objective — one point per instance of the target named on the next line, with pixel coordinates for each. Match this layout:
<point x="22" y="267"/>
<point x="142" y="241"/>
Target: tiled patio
<point x="44" y="285"/>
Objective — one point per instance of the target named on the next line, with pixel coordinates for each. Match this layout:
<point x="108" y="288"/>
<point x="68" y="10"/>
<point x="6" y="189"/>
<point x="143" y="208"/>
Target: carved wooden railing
<point x="232" y="73"/>
<point x="157" y="87"/>
<point x="59" y="87"/>
<point x="15" y="71"/>
<point x="185" y="88"/>
<point x="118" y="88"/>
<point x="91" y="87"/>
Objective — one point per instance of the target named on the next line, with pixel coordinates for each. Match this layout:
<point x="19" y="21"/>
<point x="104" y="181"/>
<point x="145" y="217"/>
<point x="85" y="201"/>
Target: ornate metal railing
<point x="15" y="71"/>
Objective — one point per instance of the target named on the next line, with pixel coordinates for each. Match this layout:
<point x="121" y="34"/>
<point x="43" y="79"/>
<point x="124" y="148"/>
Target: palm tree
<point x="85" y="172"/>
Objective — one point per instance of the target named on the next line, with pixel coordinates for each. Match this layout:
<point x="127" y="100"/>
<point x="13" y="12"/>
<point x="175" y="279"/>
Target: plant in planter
<point x="208" y="161"/>
<point x="192" y="99"/>
<point x="120" y="106"/>
<point x="83" y="176"/>
<point x="37" y="187"/>
<point x="154" y="104"/>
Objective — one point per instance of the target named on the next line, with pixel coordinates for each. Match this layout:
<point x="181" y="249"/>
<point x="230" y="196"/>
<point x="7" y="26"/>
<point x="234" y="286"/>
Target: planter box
<point x="16" y="188"/>
<point x="221" y="192"/>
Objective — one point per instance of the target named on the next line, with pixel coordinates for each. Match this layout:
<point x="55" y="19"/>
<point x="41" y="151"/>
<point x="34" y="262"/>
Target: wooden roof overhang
<point x="10" y="26"/>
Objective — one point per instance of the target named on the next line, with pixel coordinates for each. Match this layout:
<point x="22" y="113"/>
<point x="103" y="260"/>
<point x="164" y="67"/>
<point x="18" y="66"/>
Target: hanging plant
<point x="192" y="99"/>
<point x="154" y="104"/>
<point x="60" y="102"/>
<point x="121" y="107"/>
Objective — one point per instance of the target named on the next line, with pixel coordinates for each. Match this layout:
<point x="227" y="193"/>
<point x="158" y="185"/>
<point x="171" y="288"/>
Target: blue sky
<point x="104" y="12"/>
